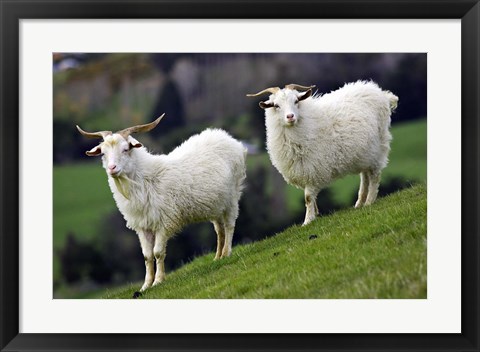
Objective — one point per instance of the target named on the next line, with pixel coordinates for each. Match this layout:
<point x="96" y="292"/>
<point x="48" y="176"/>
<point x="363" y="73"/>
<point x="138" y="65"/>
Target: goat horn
<point x="140" y="128"/>
<point x="268" y="90"/>
<point x="99" y="134"/>
<point x="298" y="87"/>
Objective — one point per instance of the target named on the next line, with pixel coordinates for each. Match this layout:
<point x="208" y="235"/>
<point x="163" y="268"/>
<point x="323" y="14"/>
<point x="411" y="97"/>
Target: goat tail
<point x="393" y="100"/>
<point x="241" y="180"/>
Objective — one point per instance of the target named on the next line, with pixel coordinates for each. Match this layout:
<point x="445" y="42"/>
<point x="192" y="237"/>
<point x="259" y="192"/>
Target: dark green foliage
<point x="393" y="184"/>
<point x="256" y="219"/>
<point x="409" y="82"/>
<point x="80" y="260"/>
<point x="113" y="258"/>
<point x="68" y="142"/>
<point x="169" y="102"/>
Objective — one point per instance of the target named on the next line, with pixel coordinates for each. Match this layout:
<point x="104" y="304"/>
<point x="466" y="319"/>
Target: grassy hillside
<point x="375" y="252"/>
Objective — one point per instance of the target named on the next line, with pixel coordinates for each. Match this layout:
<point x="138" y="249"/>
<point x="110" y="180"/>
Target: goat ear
<point x="133" y="143"/>
<point x="95" y="151"/>
<point x="265" y="104"/>
<point x="305" y="95"/>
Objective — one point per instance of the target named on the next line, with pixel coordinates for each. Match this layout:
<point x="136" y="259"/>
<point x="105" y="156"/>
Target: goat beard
<point x="123" y="186"/>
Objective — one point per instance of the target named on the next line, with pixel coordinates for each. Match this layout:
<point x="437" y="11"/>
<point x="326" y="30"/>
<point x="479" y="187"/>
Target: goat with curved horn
<point x="298" y="87"/>
<point x="315" y="140"/>
<point x="140" y="128"/>
<point x="201" y="180"/>
<point x="271" y="90"/>
<point x="99" y="134"/>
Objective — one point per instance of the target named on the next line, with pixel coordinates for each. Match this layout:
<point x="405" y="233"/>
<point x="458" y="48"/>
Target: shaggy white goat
<point x="313" y="140"/>
<point x="200" y="180"/>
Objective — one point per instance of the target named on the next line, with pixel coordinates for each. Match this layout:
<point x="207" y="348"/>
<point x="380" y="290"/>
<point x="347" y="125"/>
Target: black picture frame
<point x="13" y="11"/>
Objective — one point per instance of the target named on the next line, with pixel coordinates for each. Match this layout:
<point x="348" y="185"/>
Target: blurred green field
<point x="82" y="198"/>
<point x="78" y="202"/>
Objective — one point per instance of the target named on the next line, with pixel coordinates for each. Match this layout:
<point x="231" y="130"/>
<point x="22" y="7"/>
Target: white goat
<point x="200" y="180"/>
<point x="313" y="140"/>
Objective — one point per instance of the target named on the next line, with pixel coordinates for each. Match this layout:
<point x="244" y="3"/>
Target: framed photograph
<point x="400" y="272"/>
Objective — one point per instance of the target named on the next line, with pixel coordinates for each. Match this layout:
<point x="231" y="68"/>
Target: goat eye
<point x="126" y="150"/>
<point x="296" y="101"/>
<point x="276" y="106"/>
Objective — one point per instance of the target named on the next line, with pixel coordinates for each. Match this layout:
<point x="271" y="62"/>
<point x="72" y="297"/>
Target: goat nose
<point x="290" y="116"/>
<point x="112" y="167"/>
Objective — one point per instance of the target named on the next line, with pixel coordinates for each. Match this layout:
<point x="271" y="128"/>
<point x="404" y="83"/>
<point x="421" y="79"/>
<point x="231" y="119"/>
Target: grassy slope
<point x="375" y="252"/>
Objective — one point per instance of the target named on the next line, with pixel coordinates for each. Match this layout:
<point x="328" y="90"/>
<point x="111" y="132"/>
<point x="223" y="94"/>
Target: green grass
<point x="374" y="252"/>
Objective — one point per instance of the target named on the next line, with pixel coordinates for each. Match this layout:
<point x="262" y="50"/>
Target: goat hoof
<point x="137" y="294"/>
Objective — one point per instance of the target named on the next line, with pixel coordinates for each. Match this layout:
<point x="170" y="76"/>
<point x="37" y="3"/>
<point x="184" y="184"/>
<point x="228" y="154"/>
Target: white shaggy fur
<point x="201" y="180"/>
<point x="313" y="140"/>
